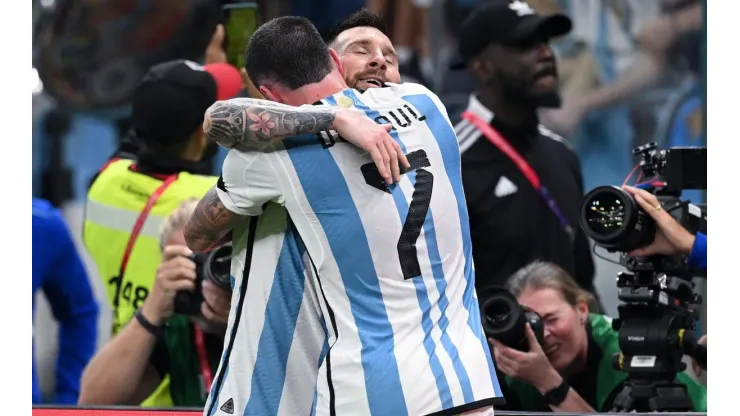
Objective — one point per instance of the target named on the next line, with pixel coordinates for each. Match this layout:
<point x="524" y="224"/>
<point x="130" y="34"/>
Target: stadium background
<point x="93" y="137"/>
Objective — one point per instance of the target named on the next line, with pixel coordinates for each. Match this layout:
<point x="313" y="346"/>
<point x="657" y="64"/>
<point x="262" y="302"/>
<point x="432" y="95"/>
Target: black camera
<point x="213" y="266"/>
<point x="612" y="218"/>
<point x="658" y="312"/>
<point x="504" y="320"/>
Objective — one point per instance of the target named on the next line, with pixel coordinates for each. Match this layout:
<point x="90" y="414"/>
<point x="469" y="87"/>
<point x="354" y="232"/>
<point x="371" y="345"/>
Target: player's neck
<point x="510" y="112"/>
<point x="330" y="85"/>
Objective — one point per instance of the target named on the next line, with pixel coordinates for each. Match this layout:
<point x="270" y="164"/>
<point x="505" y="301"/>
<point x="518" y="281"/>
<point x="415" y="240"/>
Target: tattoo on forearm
<point x="210" y="222"/>
<point x="249" y="123"/>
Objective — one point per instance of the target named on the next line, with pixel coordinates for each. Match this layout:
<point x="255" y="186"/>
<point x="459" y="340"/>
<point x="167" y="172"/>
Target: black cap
<point x="505" y="22"/>
<point x="169" y="104"/>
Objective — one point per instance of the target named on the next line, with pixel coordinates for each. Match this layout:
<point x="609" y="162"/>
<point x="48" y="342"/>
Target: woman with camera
<point x="572" y="370"/>
<point x="161" y="341"/>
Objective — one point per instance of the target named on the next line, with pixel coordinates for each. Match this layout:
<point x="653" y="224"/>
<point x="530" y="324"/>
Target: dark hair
<point x="287" y="50"/>
<point x="360" y="18"/>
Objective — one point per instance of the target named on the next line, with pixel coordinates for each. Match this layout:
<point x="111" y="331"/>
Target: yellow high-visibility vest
<point x="114" y="203"/>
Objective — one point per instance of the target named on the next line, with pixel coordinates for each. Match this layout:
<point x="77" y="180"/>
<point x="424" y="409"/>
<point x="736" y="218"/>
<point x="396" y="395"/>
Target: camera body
<point x="612" y="218"/>
<point x="504" y="320"/>
<point x="213" y="266"/>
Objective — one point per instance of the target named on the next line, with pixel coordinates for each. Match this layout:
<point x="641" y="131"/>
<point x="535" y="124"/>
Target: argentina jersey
<point x="393" y="266"/>
<point x="275" y="339"/>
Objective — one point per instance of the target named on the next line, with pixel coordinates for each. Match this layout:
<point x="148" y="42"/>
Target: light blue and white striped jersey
<point x="275" y="339"/>
<point x="393" y="266"/>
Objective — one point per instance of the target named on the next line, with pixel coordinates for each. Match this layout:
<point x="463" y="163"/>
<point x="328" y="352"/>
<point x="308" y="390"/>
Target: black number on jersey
<point x="328" y="139"/>
<point x="418" y="208"/>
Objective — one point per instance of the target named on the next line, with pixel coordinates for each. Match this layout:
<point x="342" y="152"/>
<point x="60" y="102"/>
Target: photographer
<point x="158" y="342"/>
<point x="670" y="237"/>
<point x="572" y="370"/>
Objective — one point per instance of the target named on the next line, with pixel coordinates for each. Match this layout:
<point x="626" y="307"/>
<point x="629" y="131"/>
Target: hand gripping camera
<point x="505" y="320"/>
<point x="213" y="266"/>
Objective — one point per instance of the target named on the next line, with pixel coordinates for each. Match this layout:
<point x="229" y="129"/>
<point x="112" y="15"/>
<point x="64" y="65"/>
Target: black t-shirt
<point x="510" y="223"/>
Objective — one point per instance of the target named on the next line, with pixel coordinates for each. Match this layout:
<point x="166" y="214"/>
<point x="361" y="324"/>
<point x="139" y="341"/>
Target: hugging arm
<point x="252" y="124"/>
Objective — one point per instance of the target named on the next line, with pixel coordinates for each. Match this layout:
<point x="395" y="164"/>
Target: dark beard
<point x="548" y="100"/>
<point x="518" y="90"/>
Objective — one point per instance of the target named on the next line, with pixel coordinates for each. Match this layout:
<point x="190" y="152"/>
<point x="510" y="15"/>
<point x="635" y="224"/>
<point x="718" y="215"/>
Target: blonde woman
<point x="572" y="371"/>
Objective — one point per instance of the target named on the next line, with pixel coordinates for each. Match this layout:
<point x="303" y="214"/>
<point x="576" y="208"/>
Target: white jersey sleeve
<point x="247" y="182"/>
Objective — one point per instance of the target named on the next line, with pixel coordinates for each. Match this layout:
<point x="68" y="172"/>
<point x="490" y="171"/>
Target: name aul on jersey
<point x="401" y="117"/>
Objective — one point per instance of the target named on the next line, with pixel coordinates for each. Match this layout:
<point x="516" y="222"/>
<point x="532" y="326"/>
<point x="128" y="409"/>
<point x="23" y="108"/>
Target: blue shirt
<point x="698" y="257"/>
<point x="58" y="271"/>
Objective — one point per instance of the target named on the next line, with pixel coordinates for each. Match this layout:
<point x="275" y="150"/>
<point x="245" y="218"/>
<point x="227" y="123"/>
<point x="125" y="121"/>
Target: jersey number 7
<point x="418" y="208"/>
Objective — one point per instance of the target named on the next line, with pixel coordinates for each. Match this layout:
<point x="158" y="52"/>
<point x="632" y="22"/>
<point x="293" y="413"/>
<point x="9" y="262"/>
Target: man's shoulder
<point x="408" y="88"/>
<point x="555" y="138"/>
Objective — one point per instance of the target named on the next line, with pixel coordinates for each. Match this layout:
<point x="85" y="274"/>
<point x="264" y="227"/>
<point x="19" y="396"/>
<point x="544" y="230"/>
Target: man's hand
<point x="355" y="127"/>
<point x="531" y="367"/>
<point x="215" y="51"/>
<point x="176" y="273"/>
<point x="671" y="237"/>
<point x="216" y="305"/>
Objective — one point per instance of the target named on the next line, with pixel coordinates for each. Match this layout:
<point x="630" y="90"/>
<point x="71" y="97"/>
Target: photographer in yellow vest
<point x="130" y="198"/>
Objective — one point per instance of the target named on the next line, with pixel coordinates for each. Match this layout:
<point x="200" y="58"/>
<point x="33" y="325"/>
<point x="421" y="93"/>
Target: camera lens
<point x="504" y="319"/>
<point x="498" y="314"/>
<point x="611" y="217"/>
<point x="218" y="266"/>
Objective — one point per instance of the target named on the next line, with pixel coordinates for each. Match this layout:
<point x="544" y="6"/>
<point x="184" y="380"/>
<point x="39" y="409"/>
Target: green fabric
<point x="608" y="379"/>
<point x="186" y="386"/>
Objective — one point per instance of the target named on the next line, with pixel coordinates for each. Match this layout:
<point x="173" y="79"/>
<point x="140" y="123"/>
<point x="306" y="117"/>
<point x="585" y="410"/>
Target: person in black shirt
<point x="524" y="188"/>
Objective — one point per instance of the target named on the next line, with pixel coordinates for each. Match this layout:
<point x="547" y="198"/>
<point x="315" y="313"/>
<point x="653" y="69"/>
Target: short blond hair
<point x="176" y="220"/>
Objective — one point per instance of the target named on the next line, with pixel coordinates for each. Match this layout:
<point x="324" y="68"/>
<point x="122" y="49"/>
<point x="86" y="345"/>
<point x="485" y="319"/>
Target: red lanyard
<point x="138" y="225"/>
<point x="205" y="366"/>
<point x="200" y="343"/>
<point x="494" y="137"/>
<point x="142" y="219"/>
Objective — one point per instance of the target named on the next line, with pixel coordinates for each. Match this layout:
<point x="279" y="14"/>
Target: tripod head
<point x="656" y="329"/>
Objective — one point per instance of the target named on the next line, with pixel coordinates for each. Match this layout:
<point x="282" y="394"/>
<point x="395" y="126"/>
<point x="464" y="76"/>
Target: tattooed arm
<point x="252" y="124"/>
<point x="210" y="224"/>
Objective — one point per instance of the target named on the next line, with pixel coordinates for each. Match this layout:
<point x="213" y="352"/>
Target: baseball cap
<point x="169" y="103"/>
<point x="505" y="22"/>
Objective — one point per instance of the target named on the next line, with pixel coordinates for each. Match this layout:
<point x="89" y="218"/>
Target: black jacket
<point x="510" y="223"/>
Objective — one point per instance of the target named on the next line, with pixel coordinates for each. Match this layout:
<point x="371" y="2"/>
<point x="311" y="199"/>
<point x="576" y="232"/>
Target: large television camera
<point x="660" y="308"/>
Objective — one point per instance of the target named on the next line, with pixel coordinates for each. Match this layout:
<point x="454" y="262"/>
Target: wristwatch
<point x="557" y="395"/>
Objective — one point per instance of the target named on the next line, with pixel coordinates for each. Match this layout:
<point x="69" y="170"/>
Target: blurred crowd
<point x="630" y="72"/>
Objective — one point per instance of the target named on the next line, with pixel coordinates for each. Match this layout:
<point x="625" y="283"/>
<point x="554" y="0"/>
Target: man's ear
<point x="270" y="93"/>
<point x="249" y="85"/>
<point x="479" y="70"/>
<point x="337" y="61"/>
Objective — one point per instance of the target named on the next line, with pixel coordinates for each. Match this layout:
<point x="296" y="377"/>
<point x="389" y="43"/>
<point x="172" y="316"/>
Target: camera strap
<point x="495" y="137"/>
<point x="141" y="220"/>
<point x="205" y="366"/>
